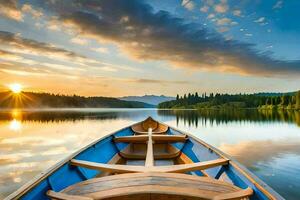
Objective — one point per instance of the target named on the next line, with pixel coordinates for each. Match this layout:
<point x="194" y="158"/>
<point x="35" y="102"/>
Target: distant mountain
<point x="46" y="100"/>
<point x="149" y="99"/>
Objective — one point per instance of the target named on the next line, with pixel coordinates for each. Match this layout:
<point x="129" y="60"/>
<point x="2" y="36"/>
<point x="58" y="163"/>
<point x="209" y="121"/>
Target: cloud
<point x="21" y="68"/>
<point x="278" y="4"/>
<point x="211" y="15"/>
<point x="101" y="50"/>
<point x="234" y="23"/>
<point x="80" y="41"/>
<point x="20" y="65"/>
<point x="61" y="67"/>
<point x="260" y="20"/>
<point x="4" y="53"/>
<point x="54" y="24"/>
<point x="9" y="56"/>
<point x="9" y="9"/>
<point x="19" y="45"/>
<point x="204" y="9"/>
<point x="223" y="29"/>
<point x="223" y="21"/>
<point x="188" y="4"/>
<point x="22" y="72"/>
<point x="155" y="81"/>
<point x="237" y="13"/>
<point x="11" y="63"/>
<point x="209" y="2"/>
<point x="164" y="37"/>
<point x="222" y="7"/>
<point x="27" y="8"/>
<point x="109" y="69"/>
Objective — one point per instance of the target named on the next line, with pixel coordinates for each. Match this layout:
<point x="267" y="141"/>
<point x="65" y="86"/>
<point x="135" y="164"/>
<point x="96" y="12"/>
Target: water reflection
<point x="56" y="115"/>
<point x="189" y="117"/>
<point x="261" y="151"/>
<point x="260" y="140"/>
<point x="204" y="117"/>
<point x="15" y="125"/>
<point x="16" y="114"/>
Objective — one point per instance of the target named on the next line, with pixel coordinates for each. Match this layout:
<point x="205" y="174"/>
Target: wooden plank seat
<point x="155" y="137"/>
<point x="117" y="168"/>
<point x="151" y="186"/>
<point x="160" y="151"/>
<point x="142" y="156"/>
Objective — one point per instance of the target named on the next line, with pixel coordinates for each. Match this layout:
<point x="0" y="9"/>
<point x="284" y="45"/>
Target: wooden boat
<point x="148" y="160"/>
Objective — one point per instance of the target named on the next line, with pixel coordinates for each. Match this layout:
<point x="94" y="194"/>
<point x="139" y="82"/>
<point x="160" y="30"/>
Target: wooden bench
<point x="156" y="138"/>
<point x="150" y="168"/>
<point x="153" y="185"/>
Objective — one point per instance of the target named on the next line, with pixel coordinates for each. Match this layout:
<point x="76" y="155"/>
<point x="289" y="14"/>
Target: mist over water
<point x="268" y="143"/>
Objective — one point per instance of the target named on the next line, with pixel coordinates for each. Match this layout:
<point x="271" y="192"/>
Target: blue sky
<point x="136" y="47"/>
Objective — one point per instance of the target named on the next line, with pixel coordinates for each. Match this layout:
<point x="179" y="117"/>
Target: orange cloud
<point x="9" y="9"/>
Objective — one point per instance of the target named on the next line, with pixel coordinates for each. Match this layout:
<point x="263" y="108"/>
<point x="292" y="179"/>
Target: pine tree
<point x="177" y="97"/>
<point x="278" y="100"/>
<point x="272" y="101"/>
<point x="293" y="100"/>
<point x="284" y="100"/>
<point x="298" y="100"/>
<point x="268" y="101"/>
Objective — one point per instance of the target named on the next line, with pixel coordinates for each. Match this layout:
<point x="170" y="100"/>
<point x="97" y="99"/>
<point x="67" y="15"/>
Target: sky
<point x="136" y="47"/>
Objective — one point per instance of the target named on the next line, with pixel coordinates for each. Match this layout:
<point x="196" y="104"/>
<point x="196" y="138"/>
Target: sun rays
<point x="16" y="88"/>
<point x="14" y="97"/>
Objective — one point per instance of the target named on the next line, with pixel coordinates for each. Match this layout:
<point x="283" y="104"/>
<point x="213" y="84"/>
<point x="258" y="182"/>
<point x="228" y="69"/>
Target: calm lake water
<point x="268" y="143"/>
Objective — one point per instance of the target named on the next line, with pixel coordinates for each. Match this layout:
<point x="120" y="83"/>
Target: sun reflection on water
<point x="16" y="114"/>
<point x="15" y="125"/>
<point x="17" y="179"/>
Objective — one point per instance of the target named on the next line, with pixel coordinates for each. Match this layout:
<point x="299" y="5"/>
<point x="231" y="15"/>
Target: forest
<point x="46" y="100"/>
<point x="220" y="101"/>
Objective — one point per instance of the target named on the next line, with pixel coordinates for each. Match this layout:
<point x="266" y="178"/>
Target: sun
<point x="15" y="88"/>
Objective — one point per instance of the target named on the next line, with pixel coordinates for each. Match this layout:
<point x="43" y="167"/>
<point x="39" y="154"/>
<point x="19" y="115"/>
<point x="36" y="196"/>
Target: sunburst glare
<point x="16" y="88"/>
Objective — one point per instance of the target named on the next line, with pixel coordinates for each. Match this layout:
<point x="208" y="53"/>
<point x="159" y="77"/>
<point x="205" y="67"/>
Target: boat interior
<point x="151" y="164"/>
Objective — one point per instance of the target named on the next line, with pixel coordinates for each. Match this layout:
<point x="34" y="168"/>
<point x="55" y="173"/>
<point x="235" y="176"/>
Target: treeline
<point x="46" y="100"/>
<point x="217" y="101"/>
<point x="283" y="102"/>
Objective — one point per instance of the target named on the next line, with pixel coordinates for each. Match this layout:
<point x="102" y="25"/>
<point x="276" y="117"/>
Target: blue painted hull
<point x="103" y="150"/>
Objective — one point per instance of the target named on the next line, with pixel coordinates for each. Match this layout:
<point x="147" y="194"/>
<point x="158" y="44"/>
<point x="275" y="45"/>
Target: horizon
<point x="117" y="48"/>
<point x="158" y="95"/>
